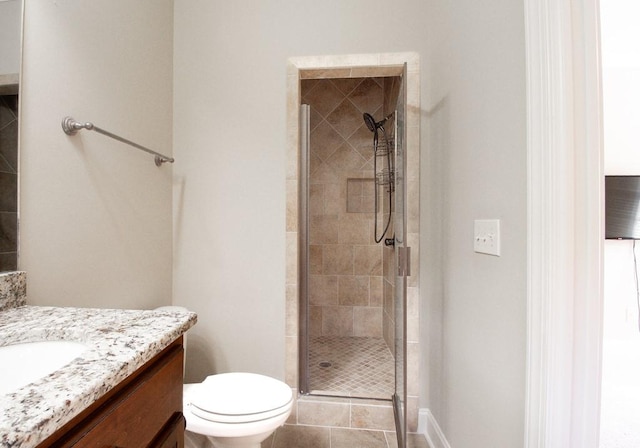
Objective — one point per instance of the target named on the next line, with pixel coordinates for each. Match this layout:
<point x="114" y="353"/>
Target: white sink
<point x="27" y="362"/>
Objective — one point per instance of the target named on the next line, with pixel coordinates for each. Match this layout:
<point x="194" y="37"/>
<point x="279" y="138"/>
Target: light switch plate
<point x="486" y="236"/>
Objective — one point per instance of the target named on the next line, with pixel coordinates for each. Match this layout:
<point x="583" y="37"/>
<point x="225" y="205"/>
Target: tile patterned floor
<point x="351" y="367"/>
<point x="295" y="436"/>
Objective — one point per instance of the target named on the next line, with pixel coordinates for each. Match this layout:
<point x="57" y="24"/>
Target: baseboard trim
<point x="428" y="426"/>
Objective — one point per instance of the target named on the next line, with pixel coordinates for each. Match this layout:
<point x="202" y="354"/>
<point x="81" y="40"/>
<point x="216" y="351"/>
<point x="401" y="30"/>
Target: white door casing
<point x="565" y="232"/>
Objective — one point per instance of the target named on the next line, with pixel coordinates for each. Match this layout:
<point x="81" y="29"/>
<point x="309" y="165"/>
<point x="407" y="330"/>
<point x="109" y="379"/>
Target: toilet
<point x="236" y="409"/>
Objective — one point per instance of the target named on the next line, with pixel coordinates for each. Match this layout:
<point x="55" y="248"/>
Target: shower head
<point x="372" y="124"/>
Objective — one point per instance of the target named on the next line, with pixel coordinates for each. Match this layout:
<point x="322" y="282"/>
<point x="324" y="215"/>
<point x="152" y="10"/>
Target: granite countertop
<point x="120" y="342"/>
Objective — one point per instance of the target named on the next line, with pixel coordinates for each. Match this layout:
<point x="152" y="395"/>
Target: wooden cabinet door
<point x="134" y="420"/>
<point x="172" y="436"/>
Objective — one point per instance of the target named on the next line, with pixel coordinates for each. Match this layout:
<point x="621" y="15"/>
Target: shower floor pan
<point x="360" y="367"/>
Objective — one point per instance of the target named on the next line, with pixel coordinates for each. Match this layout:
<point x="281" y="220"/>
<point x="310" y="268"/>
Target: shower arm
<point x="71" y="127"/>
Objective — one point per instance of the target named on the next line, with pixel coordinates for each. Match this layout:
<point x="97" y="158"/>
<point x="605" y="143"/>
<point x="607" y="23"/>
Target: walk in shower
<point x="351" y="234"/>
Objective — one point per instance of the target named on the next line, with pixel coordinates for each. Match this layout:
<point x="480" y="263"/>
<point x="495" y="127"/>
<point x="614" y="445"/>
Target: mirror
<point x="10" y="34"/>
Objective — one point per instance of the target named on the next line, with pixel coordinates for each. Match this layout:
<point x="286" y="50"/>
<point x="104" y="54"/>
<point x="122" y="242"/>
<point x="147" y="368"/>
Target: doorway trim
<point x="346" y="66"/>
<point x="565" y="232"/>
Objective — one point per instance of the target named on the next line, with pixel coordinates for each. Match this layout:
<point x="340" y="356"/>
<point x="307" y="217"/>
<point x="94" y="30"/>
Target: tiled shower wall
<point x="8" y="182"/>
<point x="346" y="284"/>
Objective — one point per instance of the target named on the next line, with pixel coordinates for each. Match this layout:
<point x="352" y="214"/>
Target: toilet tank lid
<point x="240" y="393"/>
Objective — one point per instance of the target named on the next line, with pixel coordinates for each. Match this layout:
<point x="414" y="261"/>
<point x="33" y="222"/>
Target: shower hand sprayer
<point x="385" y="177"/>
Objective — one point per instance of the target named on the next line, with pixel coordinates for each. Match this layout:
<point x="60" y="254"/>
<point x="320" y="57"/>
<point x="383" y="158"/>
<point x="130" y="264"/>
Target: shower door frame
<point x="402" y="260"/>
<point x="303" y="247"/>
<point x="399" y="248"/>
<point x="345" y="66"/>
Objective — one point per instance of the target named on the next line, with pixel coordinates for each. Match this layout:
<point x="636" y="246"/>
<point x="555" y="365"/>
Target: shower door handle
<point x="404" y="261"/>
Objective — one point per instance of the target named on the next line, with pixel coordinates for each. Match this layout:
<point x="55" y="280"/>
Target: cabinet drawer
<point x="133" y="418"/>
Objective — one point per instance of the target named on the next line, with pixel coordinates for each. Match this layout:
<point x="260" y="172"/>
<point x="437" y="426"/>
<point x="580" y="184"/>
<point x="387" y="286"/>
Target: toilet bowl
<point x="234" y="409"/>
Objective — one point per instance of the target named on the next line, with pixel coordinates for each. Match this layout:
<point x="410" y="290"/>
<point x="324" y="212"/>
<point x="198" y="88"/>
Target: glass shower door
<point x="402" y="266"/>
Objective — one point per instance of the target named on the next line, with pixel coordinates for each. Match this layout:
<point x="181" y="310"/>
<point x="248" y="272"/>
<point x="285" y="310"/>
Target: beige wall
<point x="621" y="89"/>
<point x="10" y="21"/>
<point x="474" y="168"/>
<point x="95" y="223"/>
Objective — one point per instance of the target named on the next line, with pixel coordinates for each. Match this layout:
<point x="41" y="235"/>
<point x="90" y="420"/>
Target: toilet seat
<point x="239" y="398"/>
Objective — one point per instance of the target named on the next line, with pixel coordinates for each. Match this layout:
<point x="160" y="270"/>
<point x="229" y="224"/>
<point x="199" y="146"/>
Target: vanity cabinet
<point x="145" y="410"/>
